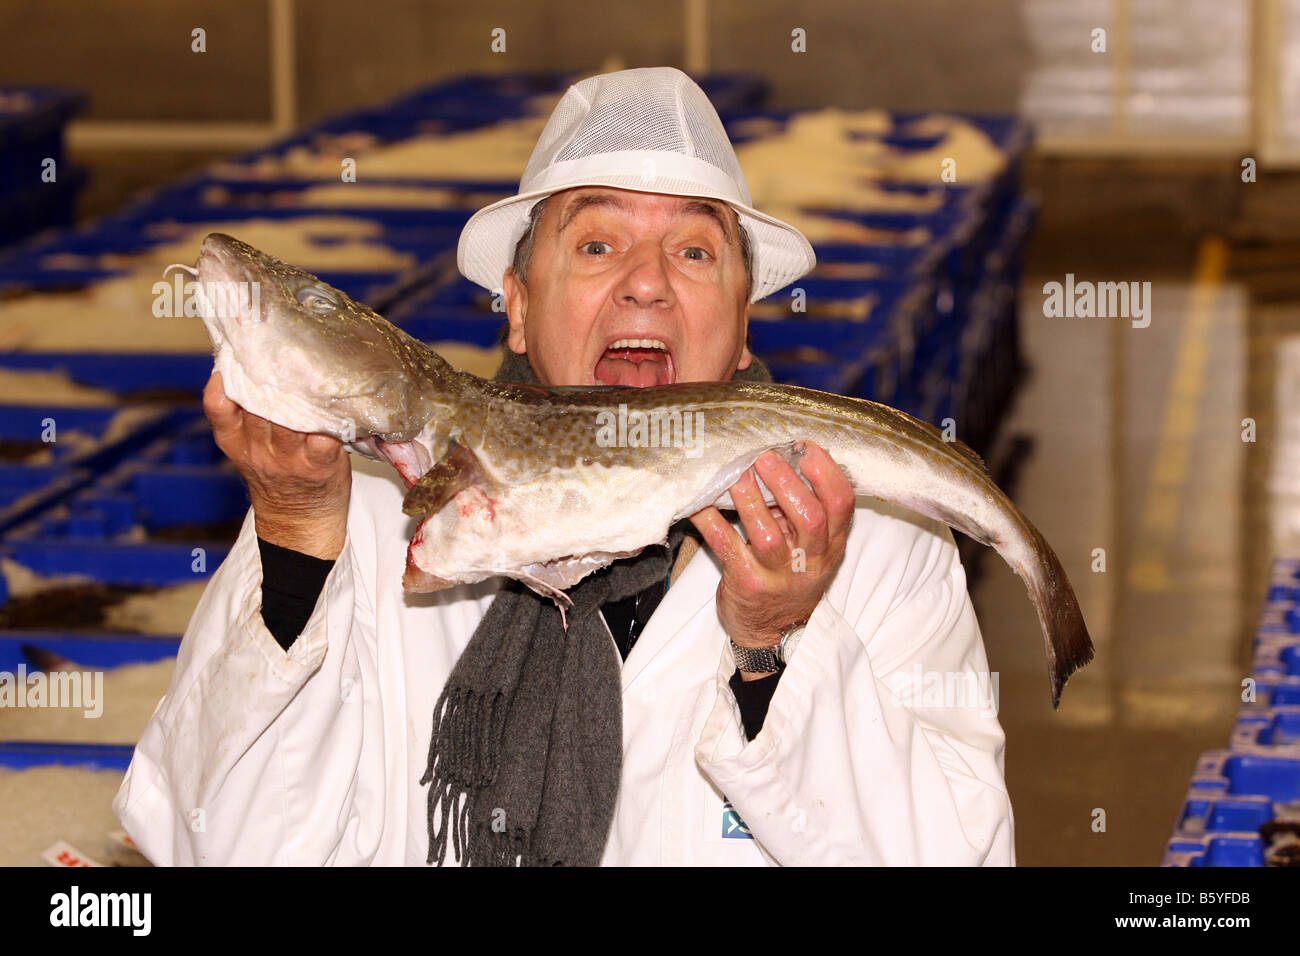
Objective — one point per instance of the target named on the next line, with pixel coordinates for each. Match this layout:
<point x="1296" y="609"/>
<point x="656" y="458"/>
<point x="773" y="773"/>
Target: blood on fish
<point x="473" y="500"/>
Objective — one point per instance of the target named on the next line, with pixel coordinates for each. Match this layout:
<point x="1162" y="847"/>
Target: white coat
<point x="313" y="757"/>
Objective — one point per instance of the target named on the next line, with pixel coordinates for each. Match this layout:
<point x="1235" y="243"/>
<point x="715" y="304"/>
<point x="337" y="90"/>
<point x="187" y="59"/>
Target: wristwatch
<point x="765" y="660"/>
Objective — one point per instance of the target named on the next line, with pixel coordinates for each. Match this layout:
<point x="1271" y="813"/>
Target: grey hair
<point x="524" y="248"/>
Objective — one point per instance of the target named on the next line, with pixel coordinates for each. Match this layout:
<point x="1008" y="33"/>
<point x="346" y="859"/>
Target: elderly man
<point x="766" y="708"/>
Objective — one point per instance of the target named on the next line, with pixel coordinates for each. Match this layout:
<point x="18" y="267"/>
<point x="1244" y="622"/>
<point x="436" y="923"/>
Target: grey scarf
<point x="527" y="744"/>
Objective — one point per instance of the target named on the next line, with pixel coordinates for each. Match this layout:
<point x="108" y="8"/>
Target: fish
<point x="546" y="484"/>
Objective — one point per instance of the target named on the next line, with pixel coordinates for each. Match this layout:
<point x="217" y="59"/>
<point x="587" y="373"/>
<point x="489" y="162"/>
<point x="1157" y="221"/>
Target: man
<point x="770" y="708"/>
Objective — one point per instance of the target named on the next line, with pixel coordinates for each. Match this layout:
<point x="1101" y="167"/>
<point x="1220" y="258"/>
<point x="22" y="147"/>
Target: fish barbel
<point x="547" y="484"/>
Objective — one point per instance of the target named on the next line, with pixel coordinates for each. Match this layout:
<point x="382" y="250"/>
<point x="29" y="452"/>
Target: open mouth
<point x="640" y="363"/>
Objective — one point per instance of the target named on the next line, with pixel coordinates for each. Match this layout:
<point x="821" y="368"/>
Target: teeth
<point x="639" y="344"/>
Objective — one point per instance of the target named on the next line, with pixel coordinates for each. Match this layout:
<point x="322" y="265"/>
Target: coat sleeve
<point x="254" y="755"/>
<point x="881" y="744"/>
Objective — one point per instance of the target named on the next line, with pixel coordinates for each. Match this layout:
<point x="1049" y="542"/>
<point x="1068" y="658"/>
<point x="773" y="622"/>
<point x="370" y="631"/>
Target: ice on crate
<point x="314" y="243"/>
<point x="826" y="159"/>
<point x="482" y="362"/>
<point x="496" y="152"/>
<point x="93" y="706"/>
<point x="21" y="386"/>
<point x="44" y="805"/>
<point x="114" y="315"/>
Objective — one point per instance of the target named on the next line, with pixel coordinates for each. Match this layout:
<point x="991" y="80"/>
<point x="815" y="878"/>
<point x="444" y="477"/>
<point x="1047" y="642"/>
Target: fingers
<point x="834" y="491"/>
<point x="799" y="503"/>
<point x="719" y="535"/>
<point x="244" y="436"/>
<point x="284" y="442"/>
<point x="323" y="450"/>
<point x="767" y="540"/>
<point x="226" y="417"/>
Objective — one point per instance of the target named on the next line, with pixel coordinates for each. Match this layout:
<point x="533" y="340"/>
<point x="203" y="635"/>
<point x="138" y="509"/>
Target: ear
<point x="516" y="294"/>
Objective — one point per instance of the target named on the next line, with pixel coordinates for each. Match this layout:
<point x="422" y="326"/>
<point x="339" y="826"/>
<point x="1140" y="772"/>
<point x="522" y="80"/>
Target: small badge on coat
<point x="733" y="828"/>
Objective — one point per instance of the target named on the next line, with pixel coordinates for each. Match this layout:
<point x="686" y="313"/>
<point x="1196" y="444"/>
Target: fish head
<point x="302" y="353"/>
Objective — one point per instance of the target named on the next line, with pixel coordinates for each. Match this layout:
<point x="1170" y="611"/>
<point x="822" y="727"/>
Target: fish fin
<point x="1065" y="635"/>
<point x="562" y="600"/>
<point x="959" y="446"/>
<point x="964" y="449"/>
<point x="564" y="573"/>
<point x="715" y="492"/>
<point x="416" y="580"/>
<point x="455" y="471"/>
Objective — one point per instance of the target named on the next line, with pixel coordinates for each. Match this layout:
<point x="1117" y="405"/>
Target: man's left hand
<point x="776" y="578"/>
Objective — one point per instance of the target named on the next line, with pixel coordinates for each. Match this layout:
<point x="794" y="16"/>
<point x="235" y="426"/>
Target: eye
<point x="702" y="253"/>
<point x="595" y="242"/>
<point x="316" y="299"/>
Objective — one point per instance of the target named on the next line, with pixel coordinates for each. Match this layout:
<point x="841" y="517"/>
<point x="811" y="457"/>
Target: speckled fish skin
<point x="546" y="485"/>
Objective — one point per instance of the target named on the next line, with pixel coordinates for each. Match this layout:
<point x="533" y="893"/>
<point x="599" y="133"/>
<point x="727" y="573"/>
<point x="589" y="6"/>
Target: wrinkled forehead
<point x="571" y="203"/>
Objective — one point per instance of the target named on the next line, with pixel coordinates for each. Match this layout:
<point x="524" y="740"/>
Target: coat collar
<point x="691" y="591"/>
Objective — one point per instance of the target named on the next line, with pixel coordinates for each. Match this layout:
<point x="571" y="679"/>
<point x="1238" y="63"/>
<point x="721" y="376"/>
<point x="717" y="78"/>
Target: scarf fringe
<point x="464" y="758"/>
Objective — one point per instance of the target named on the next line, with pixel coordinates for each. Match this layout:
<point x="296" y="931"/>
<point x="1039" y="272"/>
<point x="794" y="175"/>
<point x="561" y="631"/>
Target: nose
<point x="645" y="281"/>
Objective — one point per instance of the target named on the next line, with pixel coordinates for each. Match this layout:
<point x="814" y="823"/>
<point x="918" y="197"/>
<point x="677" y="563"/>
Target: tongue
<point x="637" y="367"/>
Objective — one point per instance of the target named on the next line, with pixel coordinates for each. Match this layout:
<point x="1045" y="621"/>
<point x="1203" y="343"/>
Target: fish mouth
<point x="637" y="361"/>
<point x="228" y="287"/>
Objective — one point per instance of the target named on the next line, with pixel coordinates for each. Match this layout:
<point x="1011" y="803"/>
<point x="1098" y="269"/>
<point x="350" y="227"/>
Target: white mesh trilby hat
<point x="651" y="130"/>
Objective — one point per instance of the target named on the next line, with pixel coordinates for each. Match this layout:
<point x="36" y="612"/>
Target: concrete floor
<point x="1138" y="450"/>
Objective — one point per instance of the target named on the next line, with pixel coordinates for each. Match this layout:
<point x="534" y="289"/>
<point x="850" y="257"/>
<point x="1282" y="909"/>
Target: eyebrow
<point x="696" y="207"/>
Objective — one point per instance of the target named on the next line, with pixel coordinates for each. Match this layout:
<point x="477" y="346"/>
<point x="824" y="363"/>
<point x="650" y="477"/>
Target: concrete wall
<point x="134" y="57"/>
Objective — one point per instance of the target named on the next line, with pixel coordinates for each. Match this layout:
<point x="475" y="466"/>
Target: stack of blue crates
<point x="38" y="186"/>
<point x="1243" y="806"/>
<point x="942" y="344"/>
<point x="128" y="506"/>
<point x="153" y="503"/>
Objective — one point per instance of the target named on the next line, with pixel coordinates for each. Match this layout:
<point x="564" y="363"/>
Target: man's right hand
<point x="299" y="484"/>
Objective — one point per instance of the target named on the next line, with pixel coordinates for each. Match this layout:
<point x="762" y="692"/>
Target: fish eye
<point x="317" y="299"/>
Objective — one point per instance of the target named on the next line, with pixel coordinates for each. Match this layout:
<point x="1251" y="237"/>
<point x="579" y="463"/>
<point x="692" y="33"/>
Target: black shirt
<point x="292" y="582"/>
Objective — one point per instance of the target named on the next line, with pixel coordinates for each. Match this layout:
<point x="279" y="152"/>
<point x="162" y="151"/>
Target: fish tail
<point x="1065" y="635"/>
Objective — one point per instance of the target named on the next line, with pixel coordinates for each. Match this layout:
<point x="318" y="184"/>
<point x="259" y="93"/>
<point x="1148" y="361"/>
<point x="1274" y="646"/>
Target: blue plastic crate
<point x="825" y="376"/>
<point x="1261" y="774"/>
<point x="23" y="755"/>
<point x="41" y="207"/>
<point x="225" y="196"/>
<point x="897" y="262"/>
<point x="439" y="224"/>
<point x="452" y="325"/>
<point x="27" y="423"/>
<point x="126" y="373"/>
<point x="517" y="84"/>
<point x="1212" y="812"/>
<point x="1232" y="795"/>
<point x="1215" y="828"/>
<point x="1275" y="730"/>
<point x="1224" y="849"/>
<point x="97" y="650"/>
<point x="32" y="121"/>
<point x="1278" y="621"/>
<point x="114" y="562"/>
<point x="79" y="469"/>
<point x="1273" y="691"/>
<point x="1277" y="657"/>
<point x="139" y="229"/>
<point x="181" y="479"/>
<point x="1284" y="579"/>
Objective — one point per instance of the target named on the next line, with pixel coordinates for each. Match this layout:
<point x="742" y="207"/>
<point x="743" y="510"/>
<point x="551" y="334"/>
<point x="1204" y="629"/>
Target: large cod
<point x="546" y="485"/>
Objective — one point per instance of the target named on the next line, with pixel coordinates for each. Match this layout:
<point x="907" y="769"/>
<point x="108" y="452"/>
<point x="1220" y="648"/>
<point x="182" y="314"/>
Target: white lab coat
<point x="313" y="757"/>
